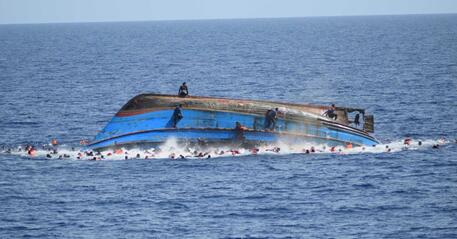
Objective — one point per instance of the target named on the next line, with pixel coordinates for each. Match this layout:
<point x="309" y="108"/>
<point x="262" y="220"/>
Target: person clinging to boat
<point x="270" y="119"/>
<point x="331" y="112"/>
<point x="177" y="116"/>
<point x="239" y="126"/>
<point x="183" y="90"/>
<point x="239" y="129"/>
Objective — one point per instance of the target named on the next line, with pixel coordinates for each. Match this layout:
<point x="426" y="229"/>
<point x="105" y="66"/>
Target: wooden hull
<point x="146" y="120"/>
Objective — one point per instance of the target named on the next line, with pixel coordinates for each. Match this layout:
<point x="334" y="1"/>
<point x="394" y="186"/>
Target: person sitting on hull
<point x="270" y="119"/>
<point x="177" y="116"/>
<point x="331" y="112"/>
<point x="183" y="90"/>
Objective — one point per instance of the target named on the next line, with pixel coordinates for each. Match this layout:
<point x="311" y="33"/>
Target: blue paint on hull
<point x="152" y="127"/>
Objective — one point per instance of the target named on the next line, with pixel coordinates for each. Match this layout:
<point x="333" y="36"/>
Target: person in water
<point x="177" y="116"/>
<point x="407" y="141"/>
<point x="331" y="112"/>
<point x="54" y="142"/>
<point x="183" y="91"/>
<point x="270" y="119"/>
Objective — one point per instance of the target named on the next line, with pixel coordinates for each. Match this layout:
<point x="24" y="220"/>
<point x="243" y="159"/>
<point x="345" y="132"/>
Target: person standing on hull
<point x="183" y="91"/>
<point x="357" y="120"/>
<point x="177" y="116"/>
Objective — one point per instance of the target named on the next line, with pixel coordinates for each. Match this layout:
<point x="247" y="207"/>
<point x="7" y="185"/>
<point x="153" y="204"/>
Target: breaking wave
<point x="172" y="150"/>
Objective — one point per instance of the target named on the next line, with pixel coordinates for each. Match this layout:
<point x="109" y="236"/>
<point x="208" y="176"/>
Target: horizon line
<point x="227" y="18"/>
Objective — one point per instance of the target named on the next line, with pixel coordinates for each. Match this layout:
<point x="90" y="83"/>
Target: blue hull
<point x="218" y="126"/>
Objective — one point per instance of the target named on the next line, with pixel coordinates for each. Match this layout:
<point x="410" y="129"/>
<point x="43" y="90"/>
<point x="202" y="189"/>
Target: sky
<point x="46" y="11"/>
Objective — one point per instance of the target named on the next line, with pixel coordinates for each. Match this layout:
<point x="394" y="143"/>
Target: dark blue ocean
<point x="66" y="81"/>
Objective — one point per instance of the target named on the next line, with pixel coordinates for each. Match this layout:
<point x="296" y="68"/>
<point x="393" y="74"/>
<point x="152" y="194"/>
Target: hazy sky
<point x="39" y="11"/>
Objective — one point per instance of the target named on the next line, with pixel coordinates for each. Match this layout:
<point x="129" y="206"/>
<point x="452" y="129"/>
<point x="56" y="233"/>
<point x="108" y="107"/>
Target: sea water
<point x="66" y="81"/>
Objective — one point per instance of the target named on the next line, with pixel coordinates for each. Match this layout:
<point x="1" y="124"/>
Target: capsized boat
<point x="151" y="119"/>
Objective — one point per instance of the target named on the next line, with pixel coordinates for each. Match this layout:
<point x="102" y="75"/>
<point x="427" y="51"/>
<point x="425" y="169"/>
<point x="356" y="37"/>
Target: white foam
<point x="171" y="149"/>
